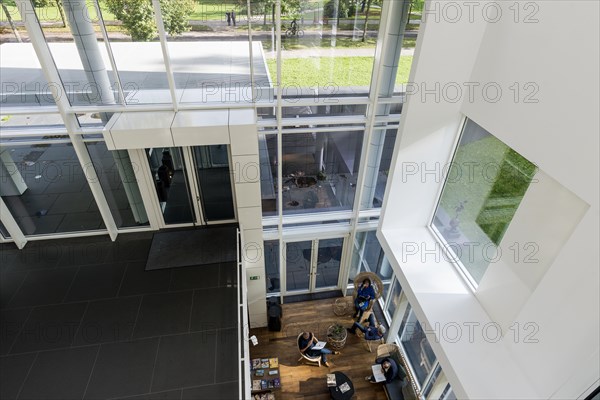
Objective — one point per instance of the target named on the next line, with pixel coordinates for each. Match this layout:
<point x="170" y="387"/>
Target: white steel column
<point x="51" y="74"/>
<point x="278" y="116"/>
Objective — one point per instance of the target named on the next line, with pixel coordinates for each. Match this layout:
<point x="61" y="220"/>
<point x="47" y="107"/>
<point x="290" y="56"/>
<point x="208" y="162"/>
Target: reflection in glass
<point x="320" y="170"/>
<point x="384" y="161"/>
<point x="214" y="181"/>
<point x="4" y="231"/>
<point x="172" y="188"/>
<point x="416" y="345"/>
<point x="272" y="266"/>
<point x="117" y="178"/>
<point x="46" y="190"/>
<point x="328" y="262"/>
<point x="395" y="298"/>
<point x="485" y="185"/>
<point x="267" y="150"/>
<point x="297" y="265"/>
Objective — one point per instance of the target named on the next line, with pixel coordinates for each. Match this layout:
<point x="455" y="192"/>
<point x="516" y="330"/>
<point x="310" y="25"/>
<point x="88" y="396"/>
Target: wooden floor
<point x="307" y="381"/>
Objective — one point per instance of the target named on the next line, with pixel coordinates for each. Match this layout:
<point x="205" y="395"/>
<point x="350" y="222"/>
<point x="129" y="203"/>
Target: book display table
<point x="343" y="389"/>
<point x="265" y="378"/>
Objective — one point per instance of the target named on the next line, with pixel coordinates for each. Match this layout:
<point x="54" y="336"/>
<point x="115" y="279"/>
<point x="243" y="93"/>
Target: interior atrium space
<point x="313" y="199"/>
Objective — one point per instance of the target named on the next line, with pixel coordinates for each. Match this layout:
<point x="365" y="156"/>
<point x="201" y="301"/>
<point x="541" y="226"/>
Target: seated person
<point x="305" y="344"/>
<point x="390" y="370"/>
<point x="364" y="295"/>
<point x="372" y="332"/>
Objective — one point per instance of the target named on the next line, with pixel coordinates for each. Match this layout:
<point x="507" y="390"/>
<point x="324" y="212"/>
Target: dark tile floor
<point x="82" y="319"/>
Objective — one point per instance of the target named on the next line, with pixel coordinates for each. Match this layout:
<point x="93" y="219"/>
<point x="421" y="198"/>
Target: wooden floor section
<point x="307" y="381"/>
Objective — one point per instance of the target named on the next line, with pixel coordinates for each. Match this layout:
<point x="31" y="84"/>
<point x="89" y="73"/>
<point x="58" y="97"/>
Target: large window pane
<point x="328" y="262"/>
<point x="139" y="62"/>
<point x="415" y="343"/>
<point x="395" y="298"/>
<point x="485" y="185"/>
<point x="298" y="257"/>
<point x="117" y="178"/>
<point x="272" y="266"/>
<point x="320" y="171"/>
<point x="81" y="57"/>
<point x="46" y="190"/>
<point x="267" y="149"/>
<point x="328" y="47"/>
<point x="22" y="80"/>
<point x="382" y="160"/>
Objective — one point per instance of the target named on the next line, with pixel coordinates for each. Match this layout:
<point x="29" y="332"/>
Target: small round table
<point x="340" y="379"/>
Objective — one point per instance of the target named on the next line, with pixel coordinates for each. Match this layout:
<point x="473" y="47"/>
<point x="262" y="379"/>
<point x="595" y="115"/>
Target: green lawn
<point x="339" y="71"/>
<point x="491" y="179"/>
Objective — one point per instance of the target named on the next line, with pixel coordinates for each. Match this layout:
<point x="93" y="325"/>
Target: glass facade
<point x="46" y="189"/>
<point x="117" y="178"/>
<point x="199" y="55"/>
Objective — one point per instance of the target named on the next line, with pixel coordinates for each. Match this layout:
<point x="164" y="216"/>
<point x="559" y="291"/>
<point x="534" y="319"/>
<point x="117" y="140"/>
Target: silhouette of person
<point x="233" y="17"/>
<point x="228" y="15"/>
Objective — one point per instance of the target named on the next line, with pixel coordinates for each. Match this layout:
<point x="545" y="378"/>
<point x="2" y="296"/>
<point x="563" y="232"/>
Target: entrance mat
<point x="192" y="247"/>
<point x="312" y="296"/>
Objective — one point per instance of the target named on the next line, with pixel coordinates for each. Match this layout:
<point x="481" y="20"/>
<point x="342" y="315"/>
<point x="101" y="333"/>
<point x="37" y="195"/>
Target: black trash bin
<point x="274" y="313"/>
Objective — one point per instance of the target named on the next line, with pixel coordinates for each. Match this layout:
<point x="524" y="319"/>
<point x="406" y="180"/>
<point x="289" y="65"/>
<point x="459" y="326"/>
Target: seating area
<point x="304" y="377"/>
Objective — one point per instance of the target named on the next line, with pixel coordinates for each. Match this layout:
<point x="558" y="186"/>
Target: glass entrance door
<point x="329" y="259"/>
<point x="211" y="165"/>
<point x="171" y="182"/>
<point x="313" y="265"/>
<point x="192" y="184"/>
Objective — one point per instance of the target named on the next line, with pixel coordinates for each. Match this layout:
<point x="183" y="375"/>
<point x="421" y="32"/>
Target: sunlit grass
<point x="336" y="71"/>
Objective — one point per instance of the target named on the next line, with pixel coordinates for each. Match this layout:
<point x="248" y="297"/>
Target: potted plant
<point x="336" y="336"/>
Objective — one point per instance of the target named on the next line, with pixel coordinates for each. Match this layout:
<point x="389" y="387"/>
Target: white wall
<point x="557" y="57"/>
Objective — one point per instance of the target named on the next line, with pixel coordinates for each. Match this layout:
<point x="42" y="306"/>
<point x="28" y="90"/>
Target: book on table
<point x="273" y="372"/>
<point x="331" y="380"/>
<point x="255" y="363"/>
<point x="256" y="384"/>
<point x="274" y="362"/>
<point x="318" y="346"/>
<point x="264" y="363"/>
<point x="378" y="373"/>
<point x="259" y="372"/>
<point x="344" y="387"/>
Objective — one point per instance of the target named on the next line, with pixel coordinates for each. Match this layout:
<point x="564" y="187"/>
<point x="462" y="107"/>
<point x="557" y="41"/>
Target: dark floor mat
<point x="296" y="298"/>
<point x="192" y="247"/>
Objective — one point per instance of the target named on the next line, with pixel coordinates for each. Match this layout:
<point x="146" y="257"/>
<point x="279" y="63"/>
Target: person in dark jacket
<point x="305" y="344"/>
<point x="372" y="332"/>
<point x="364" y="296"/>
<point x="390" y="370"/>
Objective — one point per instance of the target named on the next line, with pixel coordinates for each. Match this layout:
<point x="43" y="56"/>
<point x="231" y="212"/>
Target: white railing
<point x="244" y="382"/>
